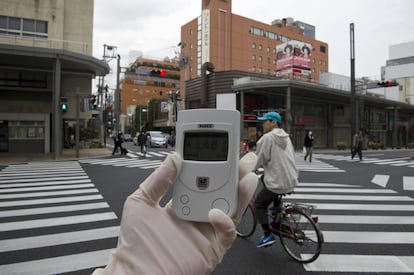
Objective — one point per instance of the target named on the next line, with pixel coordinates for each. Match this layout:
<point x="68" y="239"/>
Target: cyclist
<point x="275" y="154"/>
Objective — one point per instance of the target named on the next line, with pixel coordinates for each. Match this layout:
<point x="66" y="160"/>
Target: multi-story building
<point x="233" y="42"/>
<point x="279" y="66"/>
<point x="144" y="81"/>
<point x="400" y="68"/>
<point x="46" y="60"/>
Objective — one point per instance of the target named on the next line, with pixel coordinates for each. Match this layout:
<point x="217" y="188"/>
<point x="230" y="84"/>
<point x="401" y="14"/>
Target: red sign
<point x="306" y="120"/>
<point x="251" y="118"/>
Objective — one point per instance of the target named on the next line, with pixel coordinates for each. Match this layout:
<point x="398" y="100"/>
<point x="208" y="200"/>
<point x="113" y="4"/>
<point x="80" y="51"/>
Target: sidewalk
<point x="67" y="154"/>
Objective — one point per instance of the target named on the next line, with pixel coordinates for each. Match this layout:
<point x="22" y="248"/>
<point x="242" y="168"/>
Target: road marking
<point x="408" y="183"/>
<point x="27" y="224"/>
<point x="53" y="200"/>
<point x="48" y="194"/>
<point x="403" y="164"/>
<point x="59" y="265"/>
<point x="344" y="190"/>
<point x="53" y="209"/>
<point x="365" y="219"/>
<point x="383" y="161"/>
<point x="362" y="263"/>
<point x="349" y="197"/>
<point x="327" y="184"/>
<point x="43" y="179"/>
<point x="58" y="239"/>
<point x="363" y="207"/>
<point x="380" y="180"/>
<point x="7" y="174"/>
<point x="43" y="188"/>
<point x="368" y="237"/>
<point x="60" y="182"/>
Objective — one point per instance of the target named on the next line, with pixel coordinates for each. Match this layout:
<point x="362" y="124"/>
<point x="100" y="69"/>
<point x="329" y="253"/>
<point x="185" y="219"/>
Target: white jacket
<point x="275" y="155"/>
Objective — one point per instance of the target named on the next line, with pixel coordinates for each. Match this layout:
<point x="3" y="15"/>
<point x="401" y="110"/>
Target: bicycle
<point x="298" y="230"/>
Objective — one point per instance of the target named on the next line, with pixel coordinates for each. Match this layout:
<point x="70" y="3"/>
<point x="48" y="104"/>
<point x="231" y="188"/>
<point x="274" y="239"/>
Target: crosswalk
<point x="47" y="207"/>
<point x="151" y="160"/>
<point x="398" y="162"/>
<point x="315" y="166"/>
<point x="362" y="224"/>
<point x="136" y="160"/>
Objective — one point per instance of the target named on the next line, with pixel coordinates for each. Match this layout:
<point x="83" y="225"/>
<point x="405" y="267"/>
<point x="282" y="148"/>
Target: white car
<point x="157" y="139"/>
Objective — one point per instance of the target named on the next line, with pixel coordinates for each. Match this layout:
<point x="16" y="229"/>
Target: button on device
<point x="221" y="204"/>
<point x="186" y="210"/>
<point x="184" y="199"/>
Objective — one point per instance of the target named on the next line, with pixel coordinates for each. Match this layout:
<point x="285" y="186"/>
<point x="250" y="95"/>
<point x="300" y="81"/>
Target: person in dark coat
<point x="308" y="143"/>
<point x="118" y="139"/>
<point x="357" y="145"/>
<point x="142" y="142"/>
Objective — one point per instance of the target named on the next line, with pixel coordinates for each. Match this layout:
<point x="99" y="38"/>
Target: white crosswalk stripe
<point x="315" y="166"/>
<point x="352" y="214"/>
<point x="39" y="197"/>
<point x="125" y="162"/>
<point x="406" y="161"/>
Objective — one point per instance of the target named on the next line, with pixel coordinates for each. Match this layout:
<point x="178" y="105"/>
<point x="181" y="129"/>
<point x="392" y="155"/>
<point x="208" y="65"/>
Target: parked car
<point x="157" y="139"/>
<point x="127" y="137"/>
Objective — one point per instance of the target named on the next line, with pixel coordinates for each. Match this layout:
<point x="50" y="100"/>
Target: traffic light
<point x="158" y="73"/>
<point x="92" y="103"/>
<point x="63" y="107"/>
<point x="64" y="104"/>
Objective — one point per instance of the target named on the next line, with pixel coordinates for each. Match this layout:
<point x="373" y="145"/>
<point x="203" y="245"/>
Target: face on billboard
<point x="293" y="54"/>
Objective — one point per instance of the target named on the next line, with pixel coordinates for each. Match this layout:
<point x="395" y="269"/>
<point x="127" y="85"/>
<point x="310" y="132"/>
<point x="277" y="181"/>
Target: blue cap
<point x="271" y="116"/>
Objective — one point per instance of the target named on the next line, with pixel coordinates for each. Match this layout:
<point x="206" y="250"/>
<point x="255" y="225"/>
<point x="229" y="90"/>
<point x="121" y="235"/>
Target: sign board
<point x="226" y="101"/>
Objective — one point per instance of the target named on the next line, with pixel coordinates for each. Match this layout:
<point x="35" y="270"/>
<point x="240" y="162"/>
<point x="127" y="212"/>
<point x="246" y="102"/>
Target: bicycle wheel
<point x="248" y="223"/>
<point x="300" y="237"/>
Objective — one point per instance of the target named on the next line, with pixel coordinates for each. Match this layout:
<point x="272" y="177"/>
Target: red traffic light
<point x="163" y="73"/>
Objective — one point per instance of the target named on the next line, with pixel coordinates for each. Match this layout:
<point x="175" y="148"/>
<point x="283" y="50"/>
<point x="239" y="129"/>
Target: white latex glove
<point x="153" y="240"/>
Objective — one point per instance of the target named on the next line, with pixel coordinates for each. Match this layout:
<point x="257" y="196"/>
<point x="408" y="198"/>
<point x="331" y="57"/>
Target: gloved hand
<point x="153" y="240"/>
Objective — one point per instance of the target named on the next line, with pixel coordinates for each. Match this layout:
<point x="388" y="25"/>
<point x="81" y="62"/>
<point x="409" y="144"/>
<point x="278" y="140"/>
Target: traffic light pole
<point x="102" y="128"/>
<point x="117" y="100"/>
<point x="77" y="125"/>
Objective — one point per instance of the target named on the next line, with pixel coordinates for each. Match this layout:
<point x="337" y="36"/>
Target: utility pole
<point x="117" y="103"/>
<point x="353" y="101"/>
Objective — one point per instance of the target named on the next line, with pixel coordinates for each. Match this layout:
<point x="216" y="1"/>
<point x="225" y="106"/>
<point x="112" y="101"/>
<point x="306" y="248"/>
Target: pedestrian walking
<point x="142" y="142"/>
<point x="118" y="139"/>
<point x="357" y="145"/>
<point x="308" y="143"/>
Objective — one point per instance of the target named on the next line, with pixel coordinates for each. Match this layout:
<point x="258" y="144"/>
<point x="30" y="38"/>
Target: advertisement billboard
<point x="293" y="54"/>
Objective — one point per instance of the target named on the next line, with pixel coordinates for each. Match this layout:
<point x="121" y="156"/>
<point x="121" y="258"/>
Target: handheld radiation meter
<point x="208" y="142"/>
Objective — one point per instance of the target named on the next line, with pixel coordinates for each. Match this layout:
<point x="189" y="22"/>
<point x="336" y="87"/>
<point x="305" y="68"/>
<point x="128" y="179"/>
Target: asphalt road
<point x="365" y="210"/>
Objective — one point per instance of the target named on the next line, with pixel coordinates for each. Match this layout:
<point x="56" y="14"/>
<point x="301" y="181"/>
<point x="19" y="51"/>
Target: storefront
<point x="25" y="133"/>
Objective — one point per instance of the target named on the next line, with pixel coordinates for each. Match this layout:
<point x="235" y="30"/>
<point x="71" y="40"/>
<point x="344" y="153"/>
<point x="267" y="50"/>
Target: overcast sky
<point x="153" y="27"/>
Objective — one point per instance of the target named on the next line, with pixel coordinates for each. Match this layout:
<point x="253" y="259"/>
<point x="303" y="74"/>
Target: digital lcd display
<point x="206" y="146"/>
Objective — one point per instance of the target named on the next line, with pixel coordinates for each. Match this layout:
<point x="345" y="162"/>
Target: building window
<point x="268" y="60"/>
<point x="23" y="27"/>
<point x="253" y="45"/>
<point x="260" y="59"/>
<point x="260" y="47"/>
<point x="253" y="57"/>
<point x="253" y="68"/>
<point x="191" y="31"/>
<point x="322" y="49"/>
<point x="256" y="31"/>
<point x="259" y="70"/>
<point x="268" y="49"/>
